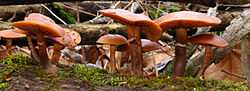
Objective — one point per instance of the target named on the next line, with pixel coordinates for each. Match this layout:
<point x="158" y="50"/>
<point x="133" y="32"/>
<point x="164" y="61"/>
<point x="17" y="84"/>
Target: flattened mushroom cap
<point x="208" y="39"/>
<point x="71" y="38"/>
<point x="112" y="39"/>
<point x="187" y="19"/>
<point x="152" y="29"/>
<point x="36" y="27"/>
<point x="148" y="45"/>
<point x="39" y="17"/>
<point x="10" y="34"/>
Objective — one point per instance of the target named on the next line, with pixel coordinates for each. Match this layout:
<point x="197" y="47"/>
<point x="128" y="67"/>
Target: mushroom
<point x="136" y="23"/>
<point x="148" y="46"/>
<point x="9" y="35"/>
<point x="113" y="40"/>
<point x="40" y="28"/>
<point x="208" y="41"/>
<point x="70" y="39"/>
<point x="181" y="21"/>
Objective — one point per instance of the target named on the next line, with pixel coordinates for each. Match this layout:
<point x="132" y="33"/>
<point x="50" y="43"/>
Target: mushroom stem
<point x="8" y="45"/>
<point x="42" y="51"/>
<point x="135" y="46"/>
<point x="34" y="54"/>
<point x="112" y="63"/>
<point x="56" y="53"/>
<point x="180" y="52"/>
<point x="208" y="55"/>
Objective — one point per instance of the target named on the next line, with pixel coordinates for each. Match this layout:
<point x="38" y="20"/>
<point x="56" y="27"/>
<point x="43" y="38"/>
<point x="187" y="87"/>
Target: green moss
<point x="66" y="16"/>
<point x="100" y="78"/>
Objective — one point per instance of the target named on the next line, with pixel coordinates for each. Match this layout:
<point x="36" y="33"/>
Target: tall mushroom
<point x="113" y="40"/>
<point x="136" y="23"/>
<point x="40" y="29"/>
<point x="181" y="21"/>
<point x="208" y="41"/>
<point x="9" y="35"/>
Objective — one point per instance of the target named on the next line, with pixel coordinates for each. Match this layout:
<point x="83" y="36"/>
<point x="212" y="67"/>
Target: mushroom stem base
<point x="42" y="51"/>
<point x="180" y="53"/>
<point x="136" y="51"/>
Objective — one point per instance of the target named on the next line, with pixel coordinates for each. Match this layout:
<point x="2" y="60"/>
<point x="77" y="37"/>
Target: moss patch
<point x="17" y="72"/>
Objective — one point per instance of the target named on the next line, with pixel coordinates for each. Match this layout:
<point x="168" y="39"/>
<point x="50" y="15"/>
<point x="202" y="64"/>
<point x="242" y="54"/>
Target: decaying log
<point x="245" y="56"/>
<point x="91" y="32"/>
<point x="233" y="34"/>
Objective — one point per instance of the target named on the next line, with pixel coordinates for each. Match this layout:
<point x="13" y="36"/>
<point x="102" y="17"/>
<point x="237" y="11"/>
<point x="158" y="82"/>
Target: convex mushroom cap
<point x="40" y="24"/>
<point x="11" y="34"/>
<point x="112" y="39"/>
<point x="39" y="17"/>
<point x="187" y="19"/>
<point x="148" y="45"/>
<point x="208" y="39"/>
<point x="152" y="29"/>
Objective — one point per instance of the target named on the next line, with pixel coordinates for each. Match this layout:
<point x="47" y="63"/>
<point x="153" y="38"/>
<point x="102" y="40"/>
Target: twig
<point x="53" y="14"/>
<point x="232" y="74"/>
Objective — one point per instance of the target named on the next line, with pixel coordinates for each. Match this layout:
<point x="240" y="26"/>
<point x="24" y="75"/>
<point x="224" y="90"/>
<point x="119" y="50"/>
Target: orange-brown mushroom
<point x="135" y="23"/>
<point x="208" y="40"/>
<point x="113" y="40"/>
<point x="181" y="21"/>
<point x="148" y="45"/>
<point x="9" y="35"/>
<point x="40" y="27"/>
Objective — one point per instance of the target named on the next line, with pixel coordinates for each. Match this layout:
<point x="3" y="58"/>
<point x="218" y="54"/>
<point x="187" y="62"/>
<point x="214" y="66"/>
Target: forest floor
<point x="17" y="73"/>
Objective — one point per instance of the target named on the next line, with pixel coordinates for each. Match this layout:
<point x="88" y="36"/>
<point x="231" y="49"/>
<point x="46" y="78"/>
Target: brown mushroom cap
<point x="148" y="45"/>
<point x="187" y="19"/>
<point x="10" y="34"/>
<point x="208" y="39"/>
<point x="39" y="17"/>
<point x="71" y="38"/>
<point x="112" y="39"/>
<point x="36" y="27"/>
<point x="152" y="29"/>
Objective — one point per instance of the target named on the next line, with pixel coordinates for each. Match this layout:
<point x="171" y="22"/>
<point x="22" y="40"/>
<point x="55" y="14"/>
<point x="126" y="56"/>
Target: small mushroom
<point x="208" y="41"/>
<point x="181" y="21"/>
<point x="9" y="35"/>
<point x="147" y="46"/>
<point x="113" y="40"/>
<point x="40" y="28"/>
<point x="136" y="23"/>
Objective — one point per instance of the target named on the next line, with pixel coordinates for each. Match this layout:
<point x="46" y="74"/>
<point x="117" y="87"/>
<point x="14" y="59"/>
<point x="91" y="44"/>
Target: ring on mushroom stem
<point x="208" y="41"/>
<point x="181" y="21"/>
<point x="135" y="23"/>
<point x="113" y="40"/>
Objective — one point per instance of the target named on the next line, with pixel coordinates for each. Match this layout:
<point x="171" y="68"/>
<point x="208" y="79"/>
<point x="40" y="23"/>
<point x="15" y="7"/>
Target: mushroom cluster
<point x="181" y="21"/>
<point x="136" y="23"/>
<point x="41" y="27"/>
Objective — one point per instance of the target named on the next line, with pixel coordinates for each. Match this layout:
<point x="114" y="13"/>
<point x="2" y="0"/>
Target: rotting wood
<point x="91" y="32"/>
<point x="245" y="56"/>
<point x="239" y="28"/>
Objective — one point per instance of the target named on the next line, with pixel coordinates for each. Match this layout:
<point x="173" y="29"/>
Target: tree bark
<point x="245" y="57"/>
<point x="234" y="33"/>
